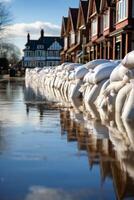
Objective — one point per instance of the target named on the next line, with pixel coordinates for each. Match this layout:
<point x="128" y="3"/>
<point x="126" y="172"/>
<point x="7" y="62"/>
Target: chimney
<point x="42" y="33"/>
<point x="28" y="37"/>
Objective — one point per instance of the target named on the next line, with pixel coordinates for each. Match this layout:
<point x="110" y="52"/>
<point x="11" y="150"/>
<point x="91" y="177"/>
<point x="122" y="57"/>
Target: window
<point x="72" y="38"/>
<point x="94" y="27"/>
<point x="65" y="43"/>
<point x="122" y="7"/>
<point x="79" y="37"/>
<point x="39" y="53"/>
<point x="106" y="20"/>
<point x="40" y="47"/>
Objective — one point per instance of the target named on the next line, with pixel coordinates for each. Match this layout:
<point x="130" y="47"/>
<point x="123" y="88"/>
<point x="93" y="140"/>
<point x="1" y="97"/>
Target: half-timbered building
<point x="42" y="52"/>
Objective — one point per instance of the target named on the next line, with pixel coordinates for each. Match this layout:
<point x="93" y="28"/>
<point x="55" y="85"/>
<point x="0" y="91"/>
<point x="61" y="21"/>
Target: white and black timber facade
<point x="42" y="52"/>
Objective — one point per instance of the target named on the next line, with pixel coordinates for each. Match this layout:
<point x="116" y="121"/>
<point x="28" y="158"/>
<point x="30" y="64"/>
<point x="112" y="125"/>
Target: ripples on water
<point x="45" y="155"/>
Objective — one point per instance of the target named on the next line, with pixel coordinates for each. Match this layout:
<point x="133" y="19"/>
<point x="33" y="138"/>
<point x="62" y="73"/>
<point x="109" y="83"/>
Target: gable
<point x="72" y="19"/>
<point x="64" y="26"/>
<point x="105" y="4"/>
<point x="82" y="13"/>
<point x="93" y="8"/>
<point x="80" y="18"/>
<point x="55" y="46"/>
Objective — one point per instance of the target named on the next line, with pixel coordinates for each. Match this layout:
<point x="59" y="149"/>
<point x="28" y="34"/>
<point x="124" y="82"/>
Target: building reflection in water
<point x="105" y="146"/>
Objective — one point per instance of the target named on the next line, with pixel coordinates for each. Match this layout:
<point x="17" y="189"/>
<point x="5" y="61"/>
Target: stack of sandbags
<point x="94" y="81"/>
<point x="75" y="82"/>
<point x="100" y="72"/>
<point x="92" y="64"/>
<point x="118" y="95"/>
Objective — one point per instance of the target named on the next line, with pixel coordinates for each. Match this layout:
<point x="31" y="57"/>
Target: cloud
<point x="43" y="193"/>
<point x="21" y="29"/>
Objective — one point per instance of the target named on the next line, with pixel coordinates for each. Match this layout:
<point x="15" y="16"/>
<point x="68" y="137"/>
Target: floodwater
<point x="44" y="155"/>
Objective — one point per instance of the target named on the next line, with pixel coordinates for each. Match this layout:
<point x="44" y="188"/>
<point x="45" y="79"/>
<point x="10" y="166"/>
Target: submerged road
<point x="46" y="156"/>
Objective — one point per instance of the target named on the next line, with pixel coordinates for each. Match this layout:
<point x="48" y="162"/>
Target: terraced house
<point x="42" y="52"/>
<point x="103" y="29"/>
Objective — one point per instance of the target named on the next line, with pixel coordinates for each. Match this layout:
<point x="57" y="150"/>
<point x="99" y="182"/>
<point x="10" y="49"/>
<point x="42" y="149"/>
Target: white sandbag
<point x="128" y="113"/>
<point x="116" y="61"/>
<point x="129" y="126"/>
<point x="114" y="87"/>
<point x="119" y="104"/>
<point x="92" y="96"/>
<point x="60" y="67"/>
<point x="119" y="72"/>
<point x="74" y="89"/>
<point x="121" y="97"/>
<point x="92" y="64"/>
<point x="71" y="75"/>
<point x="87" y="91"/>
<point x="71" y="66"/>
<point x="128" y="61"/>
<point x="101" y="96"/>
<point x="101" y="72"/>
<point x="59" y="84"/>
<point x="83" y="88"/>
<point x="80" y="72"/>
<point x="88" y="76"/>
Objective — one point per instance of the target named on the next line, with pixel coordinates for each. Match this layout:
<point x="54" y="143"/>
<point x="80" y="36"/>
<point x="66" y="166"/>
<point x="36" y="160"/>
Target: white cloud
<point x="21" y="29"/>
<point x="17" y="33"/>
<point x="43" y="193"/>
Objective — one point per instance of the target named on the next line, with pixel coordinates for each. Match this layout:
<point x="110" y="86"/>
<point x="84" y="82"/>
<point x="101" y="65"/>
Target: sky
<point x="32" y="15"/>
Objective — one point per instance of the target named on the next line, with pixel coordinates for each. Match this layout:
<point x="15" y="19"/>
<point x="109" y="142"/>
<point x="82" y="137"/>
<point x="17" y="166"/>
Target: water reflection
<point x="114" y="158"/>
<point x="51" y="153"/>
<point x="105" y="147"/>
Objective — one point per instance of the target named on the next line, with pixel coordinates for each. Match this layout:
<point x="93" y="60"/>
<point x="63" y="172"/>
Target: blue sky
<point x="46" y="10"/>
<point x="32" y="15"/>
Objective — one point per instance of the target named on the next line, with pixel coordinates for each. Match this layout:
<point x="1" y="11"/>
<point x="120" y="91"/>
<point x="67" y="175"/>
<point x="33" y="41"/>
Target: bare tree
<point x="11" y="52"/>
<point x="5" y="18"/>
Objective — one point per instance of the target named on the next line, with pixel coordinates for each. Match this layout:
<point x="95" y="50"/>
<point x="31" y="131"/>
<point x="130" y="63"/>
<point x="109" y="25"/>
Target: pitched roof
<point x="47" y="41"/>
<point x="64" y="25"/>
<point x="84" y="5"/>
<point x="106" y="3"/>
<point x="82" y="13"/>
<point x="73" y="12"/>
<point x="92" y="3"/>
<point x="97" y="5"/>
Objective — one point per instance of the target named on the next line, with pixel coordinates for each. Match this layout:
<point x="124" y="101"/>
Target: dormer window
<point x="40" y="47"/>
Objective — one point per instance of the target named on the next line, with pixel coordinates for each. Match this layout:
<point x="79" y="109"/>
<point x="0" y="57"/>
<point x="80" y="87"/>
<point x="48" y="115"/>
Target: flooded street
<point x="44" y="155"/>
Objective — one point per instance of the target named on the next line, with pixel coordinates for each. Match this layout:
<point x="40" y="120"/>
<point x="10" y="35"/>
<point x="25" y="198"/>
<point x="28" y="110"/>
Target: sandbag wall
<point x="106" y="86"/>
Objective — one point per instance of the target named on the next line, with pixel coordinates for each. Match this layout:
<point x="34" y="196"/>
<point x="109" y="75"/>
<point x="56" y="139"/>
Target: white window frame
<point x="72" y="38"/>
<point x="65" y="42"/>
<point x="106" y="20"/>
<point x="94" y="27"/>
<point x="79" y="37"/>
<point x="40" y="47"/>
<point x="122" y="10"/>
